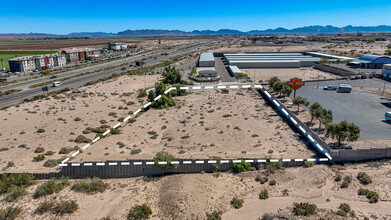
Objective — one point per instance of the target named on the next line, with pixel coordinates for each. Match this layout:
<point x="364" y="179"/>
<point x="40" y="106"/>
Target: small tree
<point x="300" y="101"/>
<point x="139" y="212"/>
<point x="313" y="109"/>
<point x="325" y="117"/>
<point x="343" y="131"/>
<point x="264" y="194"/>
<point x="277" y="86"/>
<point x="273" y="80"/>
<point x="173" y="75"/>
<point x="286" y="90"/>
<point x="304" y="209"/>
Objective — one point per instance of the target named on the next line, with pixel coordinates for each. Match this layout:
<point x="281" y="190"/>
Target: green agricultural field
<point x="6" y="55"/>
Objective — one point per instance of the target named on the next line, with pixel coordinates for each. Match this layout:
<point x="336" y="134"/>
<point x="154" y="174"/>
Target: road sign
<point x="45" y="89"/>
<point x="295" y="83"/>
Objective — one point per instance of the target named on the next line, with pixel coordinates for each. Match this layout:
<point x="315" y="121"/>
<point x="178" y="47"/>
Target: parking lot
<point x="364" y="109"/>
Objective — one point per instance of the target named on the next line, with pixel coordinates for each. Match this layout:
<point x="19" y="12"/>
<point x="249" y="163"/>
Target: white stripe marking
<point x="87" y="164"/>
<point x="299" y="160"/>
<point x="258" y="86"/>
<point x="302" y="129"/>
<point x="212" y="161"/>
<point x="311" y="139"/>
<point x="324" y="159"/>
<point x="96" y="139"/>
<point x="224" y="161"/>
<point x="184" y="88"/>
<point x="199" y="161"/>
<point x="76" y="153"/>
<point x="328" y="155"/>
<point x="162" y="162"/>
<point x="208" y="87"/>
<point x="196" y="87"/>
<point x="286" y="160"/>
<point x="106" y="132"/>
<point x="137" y="163"/>
<point x="148" y="104"/>
<point x="125" y="163"/>
<point x="320" y="147"/>
<point x="127" y="118"/>
<point x="75" y="164"/>
<point x="136" y="112"/>
<point x="174" y="162"/>
<point x="186" y="162"/>
<point x="233" y="87"/>
<point x="285" y="112"/>
<point x="261" y="161"/>
<point x="246" y="86"/>
<point x="63" y="165"/>
<point x="249" y="161"/>
<point x="113" y="164"/>
<point x="236" y="161"/>
<point x="86" y="146"/>
<point x="149" y="163"/>
<point x="268" y="95"/>
<point x="117" y="125"/>
<point x="221" y="87"/>
<point x="64" y="161"/>
<point x="158" y="97"/>
<point x="100" y="164"/>
<point x="311" y="159"/>
<point x="294" y="121"/>
<point x="273" y="160"/>
<point x="275" y="102"/>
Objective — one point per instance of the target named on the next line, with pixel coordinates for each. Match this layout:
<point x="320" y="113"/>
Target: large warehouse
<point x="371" y="62"/>
<point x="206" y="60"/>
<point x="270" y="60"/>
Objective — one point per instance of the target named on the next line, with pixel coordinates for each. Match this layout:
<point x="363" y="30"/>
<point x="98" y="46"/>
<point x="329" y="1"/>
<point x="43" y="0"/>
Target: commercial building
<point x="270" y="60"/>
<point x="40" y="62"/>
<point x="386" y="71"/>
<point x="371" y="62"/>
<point x="206" y="60"/>
<point x="117" y="46"/>
<point x="207" y="72"/>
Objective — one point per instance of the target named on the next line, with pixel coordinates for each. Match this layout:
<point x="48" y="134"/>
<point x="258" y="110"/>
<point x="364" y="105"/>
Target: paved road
<point x="20" y="96"/>
<point x="364" y="109"/>
<point x="222" y="70"/>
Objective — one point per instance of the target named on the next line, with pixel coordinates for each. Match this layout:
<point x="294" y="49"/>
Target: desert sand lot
<point x="356" y="49"/>
<point x="19" y="125"/>
<point x="240" y="49"/>
<point x="204" y="125"/>
<point x="191" y="196"/>
<point x="286" y="74"/>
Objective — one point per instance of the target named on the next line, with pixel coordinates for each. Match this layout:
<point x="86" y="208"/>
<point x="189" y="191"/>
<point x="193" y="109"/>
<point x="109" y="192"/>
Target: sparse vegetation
<point x="364" y="178"/>
<point x="41" y="130"/>
<point x="14" y="185"/>
<point x="216" y="215"/>
<point x="50" y="187"/>
<point x="44" y="206"/>
<point x="165" y="101"/>
<point x="139" y="212"/>
<point x="39" y="158"/>
<point x="9" y="213"/>
<point x="164" y="156"/>
<point x="309" y="163"/>
<point x="272" y="167"/>
<point x="261" y="179"/>
<point x="242" y="167"/>
<point x="89" y="185"/>
<point x="272" y="182"/>
<point x="65" y="207"/>
<point x="82" y="139"/>
<point x="346" y="181"/>
<point x="39" y="150"/>
<point x="264" y="194"/>
<point x="343" y="131"/>
<point x="65" y="150"/>
<point x="142" y="93"/>
<point x="298" y="100"/>
<point x="304" y="209"/>
<point x="237" y="203"/>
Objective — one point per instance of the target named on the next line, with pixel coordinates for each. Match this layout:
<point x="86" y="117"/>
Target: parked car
<point x="344" y="88"/>
<point x="363" y="76"/>
<point x="53" y="77"/>
<point x="371" y="76"/>
<point x="329" y="87"/>
<point x="388" y="116"/>
<point x="56" y="84"/>
<point x="358" y="77"/>
<point x="123" y="68"/>
<point x="352" y="77"/>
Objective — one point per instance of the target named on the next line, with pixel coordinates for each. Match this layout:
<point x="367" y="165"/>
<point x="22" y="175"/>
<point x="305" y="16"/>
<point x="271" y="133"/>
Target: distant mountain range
<point x="156" y="32"/>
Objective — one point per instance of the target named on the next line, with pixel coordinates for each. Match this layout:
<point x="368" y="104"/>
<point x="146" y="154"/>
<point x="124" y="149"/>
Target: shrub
<point x="77" y="119"/>
<point x="242" y="167"/>
<point x="121" y="119"/>
<point x="237" y="203"/>
<point x="39" y="150"/>
<point x="82" y="139"/>
<point x="115" y="131"/>
<point x="364" y="178"/>
<point x="15" y="179"/>
<point x="346" y="181"/>
<point x="65" y="207"/>
<point x="41" y="130"/>
<point x="272" y="182"/>
<point x="344" y="207"/>
<point x="216" y="215"/>
<point x="373" y="197"/>
<point x="261" y="179"/>
<point x="139" y="212"/>
<point x="271" y="167"/>
<point x="39" y="158"/>
<point x="10" y="164"/>
<point x="342" y="213"/>
<point x="304" y="209"/>
<point x="15" y="192"/>
<point x="65" y="150"/>
<point x="264" y="194"/>
<point x="363" y="192"/>
<point x="338" y="178"/>
<point x="225" y="91"/>
<point x="103" y="121"/>
<point x="49" y="153"/>
<point x="9" y="213"/>
<point x="135" y="151"/>
<point x="164" y="156"/>
<point x="50" y="187"/>
<point x="4" y="149"/>
<point x="142" y="93"/>
<point x="89" y="185"/>
<point x="44" y="206"/>
<point x="309" y="164"/>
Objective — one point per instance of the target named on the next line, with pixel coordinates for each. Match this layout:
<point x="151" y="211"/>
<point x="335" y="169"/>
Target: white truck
<point x="344" y="88"/>
<point x="55" y="84"/>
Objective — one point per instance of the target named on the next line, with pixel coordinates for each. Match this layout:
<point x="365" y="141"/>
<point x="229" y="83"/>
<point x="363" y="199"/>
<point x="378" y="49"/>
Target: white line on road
<point x="117" y="125"/>
<point x="106" y="132"/>
<point x="158" y="97"/>
<point x="136" y="112"/>
<point x="86" y="146"/>
<point x="127" y="118"/>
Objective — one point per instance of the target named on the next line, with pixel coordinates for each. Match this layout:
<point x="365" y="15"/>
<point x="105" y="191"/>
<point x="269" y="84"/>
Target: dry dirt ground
<point x="191" y="196"/>
<point x="356" y="49"/>
<point x="286" y="74"/>
<point x="19" y="125"/>
<point x="239" y="49"/>
<point x="203" y="125"/>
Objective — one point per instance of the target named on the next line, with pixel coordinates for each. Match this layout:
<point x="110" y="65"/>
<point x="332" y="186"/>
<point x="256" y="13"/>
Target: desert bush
<point x="9" y="213"/>
<point x="14" y="185"/>
<point x="373" y="197"/>
<point x="216" y="215"/>
<point x="342" y="213"/>
<point x="364" y="178"/>
<point x="65" y="207"/>
<point x="363" y="192"/>
<point x="39" y="158"/>
<point x="264" y="194"/>
<point x="344" y="207"/>
<point x="121" y="119"/>
<point x="130" y="103"/>
<point x="4" y="149"/>
<point x="309" y="163"/>
<point x="261" y="179"/>
<point x="135" y="151"/>
<point x="242" y="167"/>
<point x="52" y="162"/>
<point x="65" y="150"/>
<point x="346" y="181"/>
<point x="225" y="91"/>
<point x="272" y="182"/>
<point x="49" y="153"/>
<point x="103" y="121"/>
<point x="82" y="139"/>
<point x="15" y="192"/>
<point x="139" y="212"/>
<point x="164" y="156"/>
<point x="304" y="209"/>
<point x="50" y="187"/>
<point x="272" y="167"/>
<point x="237" y="203"/>
<point x="142" y="93"/>
<point x="115" y="131"/>
<point x="338" y="178"/>
<point x="39" y="150"/>
<point x="44" y="206"/>
<point x="77" y="119"/>
<point x="89" y="185"/>
<point x="10" y="164"/>
<point x="41" y="130"/>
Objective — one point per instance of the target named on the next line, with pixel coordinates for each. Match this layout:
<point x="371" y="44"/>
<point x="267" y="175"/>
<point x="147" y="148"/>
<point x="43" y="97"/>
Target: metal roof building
<point x="234" y="70"/>
<point x="206" y="60"/>
<point x="270" y="60"/>
<point x="371" y="62"/>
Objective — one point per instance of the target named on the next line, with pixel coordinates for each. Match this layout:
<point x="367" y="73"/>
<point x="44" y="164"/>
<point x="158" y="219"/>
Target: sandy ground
<point x="19" y="125"/>
<point x="287" y="74"/>
<point x="203" y="125"/>
<point x="191" y="196"/>
<point x="356" y="49"/>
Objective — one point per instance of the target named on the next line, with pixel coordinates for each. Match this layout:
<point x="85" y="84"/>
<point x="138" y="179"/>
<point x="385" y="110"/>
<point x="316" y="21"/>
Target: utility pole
<point x="318" y="83"/>
<point x="384" y="87"/>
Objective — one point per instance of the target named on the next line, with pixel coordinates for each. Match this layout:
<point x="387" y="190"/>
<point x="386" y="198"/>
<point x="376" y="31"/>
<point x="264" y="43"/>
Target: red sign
<point x="295" y="83"/>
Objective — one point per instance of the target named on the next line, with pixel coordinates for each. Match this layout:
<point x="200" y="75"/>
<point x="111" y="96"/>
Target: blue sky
<point x="63" y="17"/>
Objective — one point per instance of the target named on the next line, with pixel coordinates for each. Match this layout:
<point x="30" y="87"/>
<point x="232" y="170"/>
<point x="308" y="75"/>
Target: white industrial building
<point x="270" y="60"/>
<point x="386" y="71"/>
<point x="117" y="46"/>
<point x="206" y="60"/>
<point x="234" y="70"/>
<point x="207" y="72"/>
